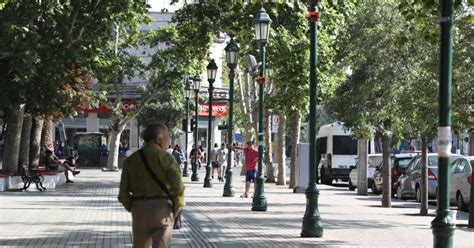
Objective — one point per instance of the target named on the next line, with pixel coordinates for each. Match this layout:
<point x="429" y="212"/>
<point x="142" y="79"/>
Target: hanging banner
<point x="218" y="109"/>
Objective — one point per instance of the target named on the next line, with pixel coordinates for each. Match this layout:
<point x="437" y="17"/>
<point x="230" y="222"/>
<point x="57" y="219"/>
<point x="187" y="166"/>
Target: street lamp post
<point x="312" y="226"/>
<point x="187" y="95"/>
<point x="232" y="51"/>
<point x="194" y="162"/>
<point x="262" y="30"/>
<point x="443" y="225"/>
<point x="211" y="77"/>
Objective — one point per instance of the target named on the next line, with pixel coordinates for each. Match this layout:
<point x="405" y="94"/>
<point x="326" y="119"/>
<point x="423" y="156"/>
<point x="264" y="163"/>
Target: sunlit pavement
<point x="87" y="214"/>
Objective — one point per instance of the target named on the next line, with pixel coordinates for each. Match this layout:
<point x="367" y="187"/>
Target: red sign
<point x="127" y="106"/>
<point x="218" y="109"/>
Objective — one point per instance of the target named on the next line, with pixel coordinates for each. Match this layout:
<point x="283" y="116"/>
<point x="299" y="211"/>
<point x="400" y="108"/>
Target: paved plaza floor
<point x="87" y="214"/>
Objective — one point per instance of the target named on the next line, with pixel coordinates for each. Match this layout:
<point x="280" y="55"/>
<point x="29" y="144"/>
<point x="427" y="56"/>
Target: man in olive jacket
<point x="152" y="216"/>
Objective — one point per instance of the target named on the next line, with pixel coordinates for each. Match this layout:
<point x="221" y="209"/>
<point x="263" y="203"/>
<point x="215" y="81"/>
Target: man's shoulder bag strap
<point x="155" y="178"/>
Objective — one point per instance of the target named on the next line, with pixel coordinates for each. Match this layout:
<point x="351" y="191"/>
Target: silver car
<point x="409" y="183"/>
<point x="372" y="161"/>
<point x="461" y="180"/>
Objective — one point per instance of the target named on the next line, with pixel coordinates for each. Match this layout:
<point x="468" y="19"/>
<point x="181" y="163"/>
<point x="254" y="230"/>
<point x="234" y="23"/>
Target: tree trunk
<point x="362" y="187"/>
<point x="295" y="134"/>
<point x="112" y="160"/>
<point x="281" y="151"/>
<point x="387" y="172"/>
<point x="13" y="139"/>
<point x="35" y="141"/>
<point x="24" y="158"/>
<point x="424" y="176"/>
<point x="267" y="156"/>
<point x="47" y="135"/>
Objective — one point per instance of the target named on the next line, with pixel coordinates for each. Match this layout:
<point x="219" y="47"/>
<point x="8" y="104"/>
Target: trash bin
<point x="87" y="146"/>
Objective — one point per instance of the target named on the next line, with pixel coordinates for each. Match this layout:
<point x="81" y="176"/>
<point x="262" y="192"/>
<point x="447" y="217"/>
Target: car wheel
<point x="399" y="193"/>
<point x="374" y="189"/>
<point x="460" y="202"/>
<point x="418" y="194"/>
<point x="351" y="186"/>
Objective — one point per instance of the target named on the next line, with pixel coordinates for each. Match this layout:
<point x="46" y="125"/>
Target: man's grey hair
<point x="154" y="131"/>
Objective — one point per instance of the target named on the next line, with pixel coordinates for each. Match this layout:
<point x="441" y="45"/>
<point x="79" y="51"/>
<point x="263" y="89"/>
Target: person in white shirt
<point x="222" y="161"/>
<point x="169" y="150"/>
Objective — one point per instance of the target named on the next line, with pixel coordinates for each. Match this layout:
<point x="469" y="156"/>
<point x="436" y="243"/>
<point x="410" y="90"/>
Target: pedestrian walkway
<point x="87" y="214"/>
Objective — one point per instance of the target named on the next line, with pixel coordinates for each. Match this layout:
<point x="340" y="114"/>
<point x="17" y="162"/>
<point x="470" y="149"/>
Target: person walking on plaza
<point x="202" y="155"/>
<point x="251" y="163"/>
<point x="169" y="150"/>
<point x="178" y="155"/>
<point x="221" y="160"/>
<point x="214" y="162"/>
<point x="193" y="159"/>
<point x="143" y="195"/>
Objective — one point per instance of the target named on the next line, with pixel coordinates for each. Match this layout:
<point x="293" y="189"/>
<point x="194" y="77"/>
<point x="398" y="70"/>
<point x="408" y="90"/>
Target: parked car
<point x="461" y="180"/>
<point x="372" y="161"/>
<point x="398" y="162"/>
<point x="408" y="185"/>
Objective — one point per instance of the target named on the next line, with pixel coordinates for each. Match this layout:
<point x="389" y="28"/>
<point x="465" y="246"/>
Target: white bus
<point x="336" y="152"/>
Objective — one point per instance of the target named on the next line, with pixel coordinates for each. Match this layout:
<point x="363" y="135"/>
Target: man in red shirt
<point x="251" y="163"/>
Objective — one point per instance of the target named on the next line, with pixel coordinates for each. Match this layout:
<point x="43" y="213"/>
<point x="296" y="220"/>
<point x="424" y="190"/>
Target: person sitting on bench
<point x="52" y="163"/>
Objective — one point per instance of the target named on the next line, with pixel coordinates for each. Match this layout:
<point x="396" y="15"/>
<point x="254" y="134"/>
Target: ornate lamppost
<point x="312" y="226"/>
<point x="262" y="30"/>
<point x="194" y="162"/>
<point x="231" y="51"/>
<point x="187" y="95"/>
<point x="211" y="77"/>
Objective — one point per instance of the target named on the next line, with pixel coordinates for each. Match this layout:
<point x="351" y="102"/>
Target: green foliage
<point x="394" y="58"/>
<point x="287" y="52"/>
<point x="368" y="101"/>
<point x="165" y="109"/>
<point x="45" y="43"/>
<point x="421" y="108"/>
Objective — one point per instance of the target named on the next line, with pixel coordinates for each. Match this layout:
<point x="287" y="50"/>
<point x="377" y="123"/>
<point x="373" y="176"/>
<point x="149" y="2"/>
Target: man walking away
<point x="214" y="162"/>
<point x="251" y="163"/>
<point x="152" y="216"/>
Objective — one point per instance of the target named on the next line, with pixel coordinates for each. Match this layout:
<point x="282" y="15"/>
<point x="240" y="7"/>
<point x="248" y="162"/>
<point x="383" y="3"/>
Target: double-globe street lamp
<point x="231" y="51"/>
<point x="194" y="163"/>
<point x="312" y="226"/>
<point x="211" y="77"/>
<point x="262" y="30"/>
<point x="187" y="95"/>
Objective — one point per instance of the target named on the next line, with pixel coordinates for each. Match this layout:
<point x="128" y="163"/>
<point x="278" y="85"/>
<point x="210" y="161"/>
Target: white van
<point x="336" y="152"/>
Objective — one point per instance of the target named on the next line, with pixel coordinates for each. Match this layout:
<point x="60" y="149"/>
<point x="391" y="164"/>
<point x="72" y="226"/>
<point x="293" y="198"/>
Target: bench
<point x="31" y="176"/>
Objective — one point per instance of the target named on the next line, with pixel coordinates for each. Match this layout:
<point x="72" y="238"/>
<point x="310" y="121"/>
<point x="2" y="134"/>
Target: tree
<point x="419" y="107"/>
<point x="167" y="109"/>
<point x="288" y="40"/>
<point x="50" y="46"/>
<point x="367" y="101"/>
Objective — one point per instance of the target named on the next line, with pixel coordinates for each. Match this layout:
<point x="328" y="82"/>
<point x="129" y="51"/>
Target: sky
<point x="158" y="5"/>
